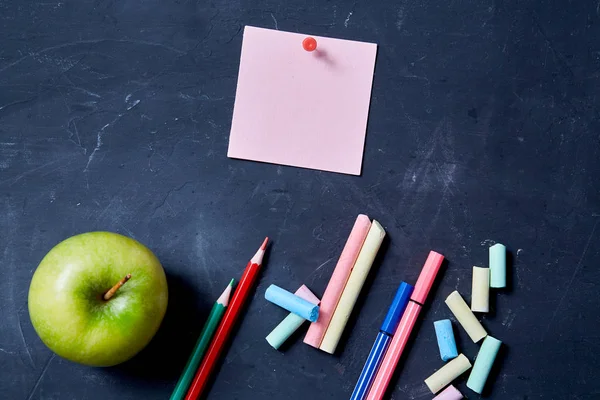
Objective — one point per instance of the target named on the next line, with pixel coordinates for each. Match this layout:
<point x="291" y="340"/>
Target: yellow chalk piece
<point x="465" y="317"/>
<point x="480" y="293"/>
<point x="449" y="372"/>
<point x="357" y="278"/>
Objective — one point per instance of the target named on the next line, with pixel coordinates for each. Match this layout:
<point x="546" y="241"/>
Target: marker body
<point x="387" y="330"/>
<point x="371" y="365"/>
<point x="402" y="334"/>
<point x="392" y="355"/>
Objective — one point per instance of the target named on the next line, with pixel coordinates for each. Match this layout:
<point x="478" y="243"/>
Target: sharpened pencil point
<point x="257" y="259"/>
<point x="224" y="330"/>
<point x="224" y="298"/>
<point x="232" y="282"/>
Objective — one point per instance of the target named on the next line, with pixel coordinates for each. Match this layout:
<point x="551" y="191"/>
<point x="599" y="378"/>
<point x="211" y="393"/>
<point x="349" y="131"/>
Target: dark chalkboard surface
<point x="484" y="127"/>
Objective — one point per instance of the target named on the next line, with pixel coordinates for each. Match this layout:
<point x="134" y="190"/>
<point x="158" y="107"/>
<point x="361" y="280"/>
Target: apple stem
<point x="108" y="295"/>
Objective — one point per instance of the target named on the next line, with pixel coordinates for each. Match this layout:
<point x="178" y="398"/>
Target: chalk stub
<point x="450" y="393"/>
<point x="292" y="303"/>
<point x="304" y="293"/>
<point x="498" y="266"/>
<point x="292" y="322"/>
<point x="284" y="330"/>
<point x="480" y="292"/>
<point x="483" y="364"/>
<point x="465" y="317"/>
<point x="445" y="339"/>
<point x="449" y="372"/>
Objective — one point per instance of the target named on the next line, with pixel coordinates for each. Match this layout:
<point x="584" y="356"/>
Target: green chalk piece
<point x="284" y="330"/>
<point x="483" y="363"/>
<point x="498" y="266"/>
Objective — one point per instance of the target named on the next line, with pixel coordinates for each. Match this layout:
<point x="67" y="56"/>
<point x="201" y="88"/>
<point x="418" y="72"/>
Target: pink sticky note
<point x="300" y="108"/>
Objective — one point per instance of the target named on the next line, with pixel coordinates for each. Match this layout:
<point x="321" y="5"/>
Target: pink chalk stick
<point x="450" y="393"/>
<point x="304" y="293"/>
<point x="338" y="280"/>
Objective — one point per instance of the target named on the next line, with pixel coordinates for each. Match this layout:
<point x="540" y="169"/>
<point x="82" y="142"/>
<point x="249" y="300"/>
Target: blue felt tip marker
<point x="390" y="323"/>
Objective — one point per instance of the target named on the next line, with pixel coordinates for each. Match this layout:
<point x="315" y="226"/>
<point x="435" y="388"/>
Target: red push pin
<point x="309" y="44"/>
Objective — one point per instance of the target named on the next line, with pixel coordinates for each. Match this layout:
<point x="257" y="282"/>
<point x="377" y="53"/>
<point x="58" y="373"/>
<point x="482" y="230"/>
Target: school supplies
<point x="480" y="292"/>
<point x="226" y="326"/>
<point x="357" y="278"/>
<point x="292" y="303"/>
<point x="300" y="108"/>
<point x="337" y="282"/>
<point x="418" y="297"/>
<point x="465" y="317"/>
<point x="216" y="313"/>
<point x="450" y="393"/>
<point x="292" y="322"/>
<point x="445" y="339"/>
<point x="384" y="337"/>
<point x="483" y="364"/>
<point x="449" y="372"/>
<point x="498" y="266"/>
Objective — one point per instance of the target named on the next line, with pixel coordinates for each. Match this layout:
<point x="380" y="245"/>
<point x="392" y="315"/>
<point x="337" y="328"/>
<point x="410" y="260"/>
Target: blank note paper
<point x="300" y="108"/>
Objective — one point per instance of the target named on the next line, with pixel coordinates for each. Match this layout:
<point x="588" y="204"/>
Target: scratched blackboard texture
<point x="484" y="127"/>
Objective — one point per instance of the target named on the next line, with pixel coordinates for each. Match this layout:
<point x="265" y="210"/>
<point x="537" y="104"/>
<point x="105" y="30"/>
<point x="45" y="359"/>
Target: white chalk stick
<point x="449" y="372"/>
<point x="480" y="293"/>
<point x="465" y="317"/>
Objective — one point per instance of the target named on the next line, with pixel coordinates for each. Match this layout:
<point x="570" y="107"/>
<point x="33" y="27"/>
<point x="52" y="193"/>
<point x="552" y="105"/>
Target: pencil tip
<point x="224" y="297"/>
<point x="232" y="282"/>
<point x="257" y="259"/>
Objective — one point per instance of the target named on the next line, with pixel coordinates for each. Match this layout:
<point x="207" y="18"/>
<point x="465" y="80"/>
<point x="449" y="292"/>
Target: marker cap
<point x="427" y="276"/>
<point x="390" y="323"/>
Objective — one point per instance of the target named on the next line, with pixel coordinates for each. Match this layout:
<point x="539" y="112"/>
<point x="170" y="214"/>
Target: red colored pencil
<point x="224" y="330"/>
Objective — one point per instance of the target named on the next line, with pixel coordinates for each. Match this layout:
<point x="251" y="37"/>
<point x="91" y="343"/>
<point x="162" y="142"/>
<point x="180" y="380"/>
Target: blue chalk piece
<point x="292" y="303"/>
<point x="390" y="323"/>
<point x="445" y="339"/>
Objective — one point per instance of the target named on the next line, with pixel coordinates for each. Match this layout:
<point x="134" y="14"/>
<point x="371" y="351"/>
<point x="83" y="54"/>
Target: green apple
<point x="72" y="311"/>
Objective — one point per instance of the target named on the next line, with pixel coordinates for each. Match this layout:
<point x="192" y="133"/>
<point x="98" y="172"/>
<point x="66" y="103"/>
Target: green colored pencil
<point x="203" y="341"/>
